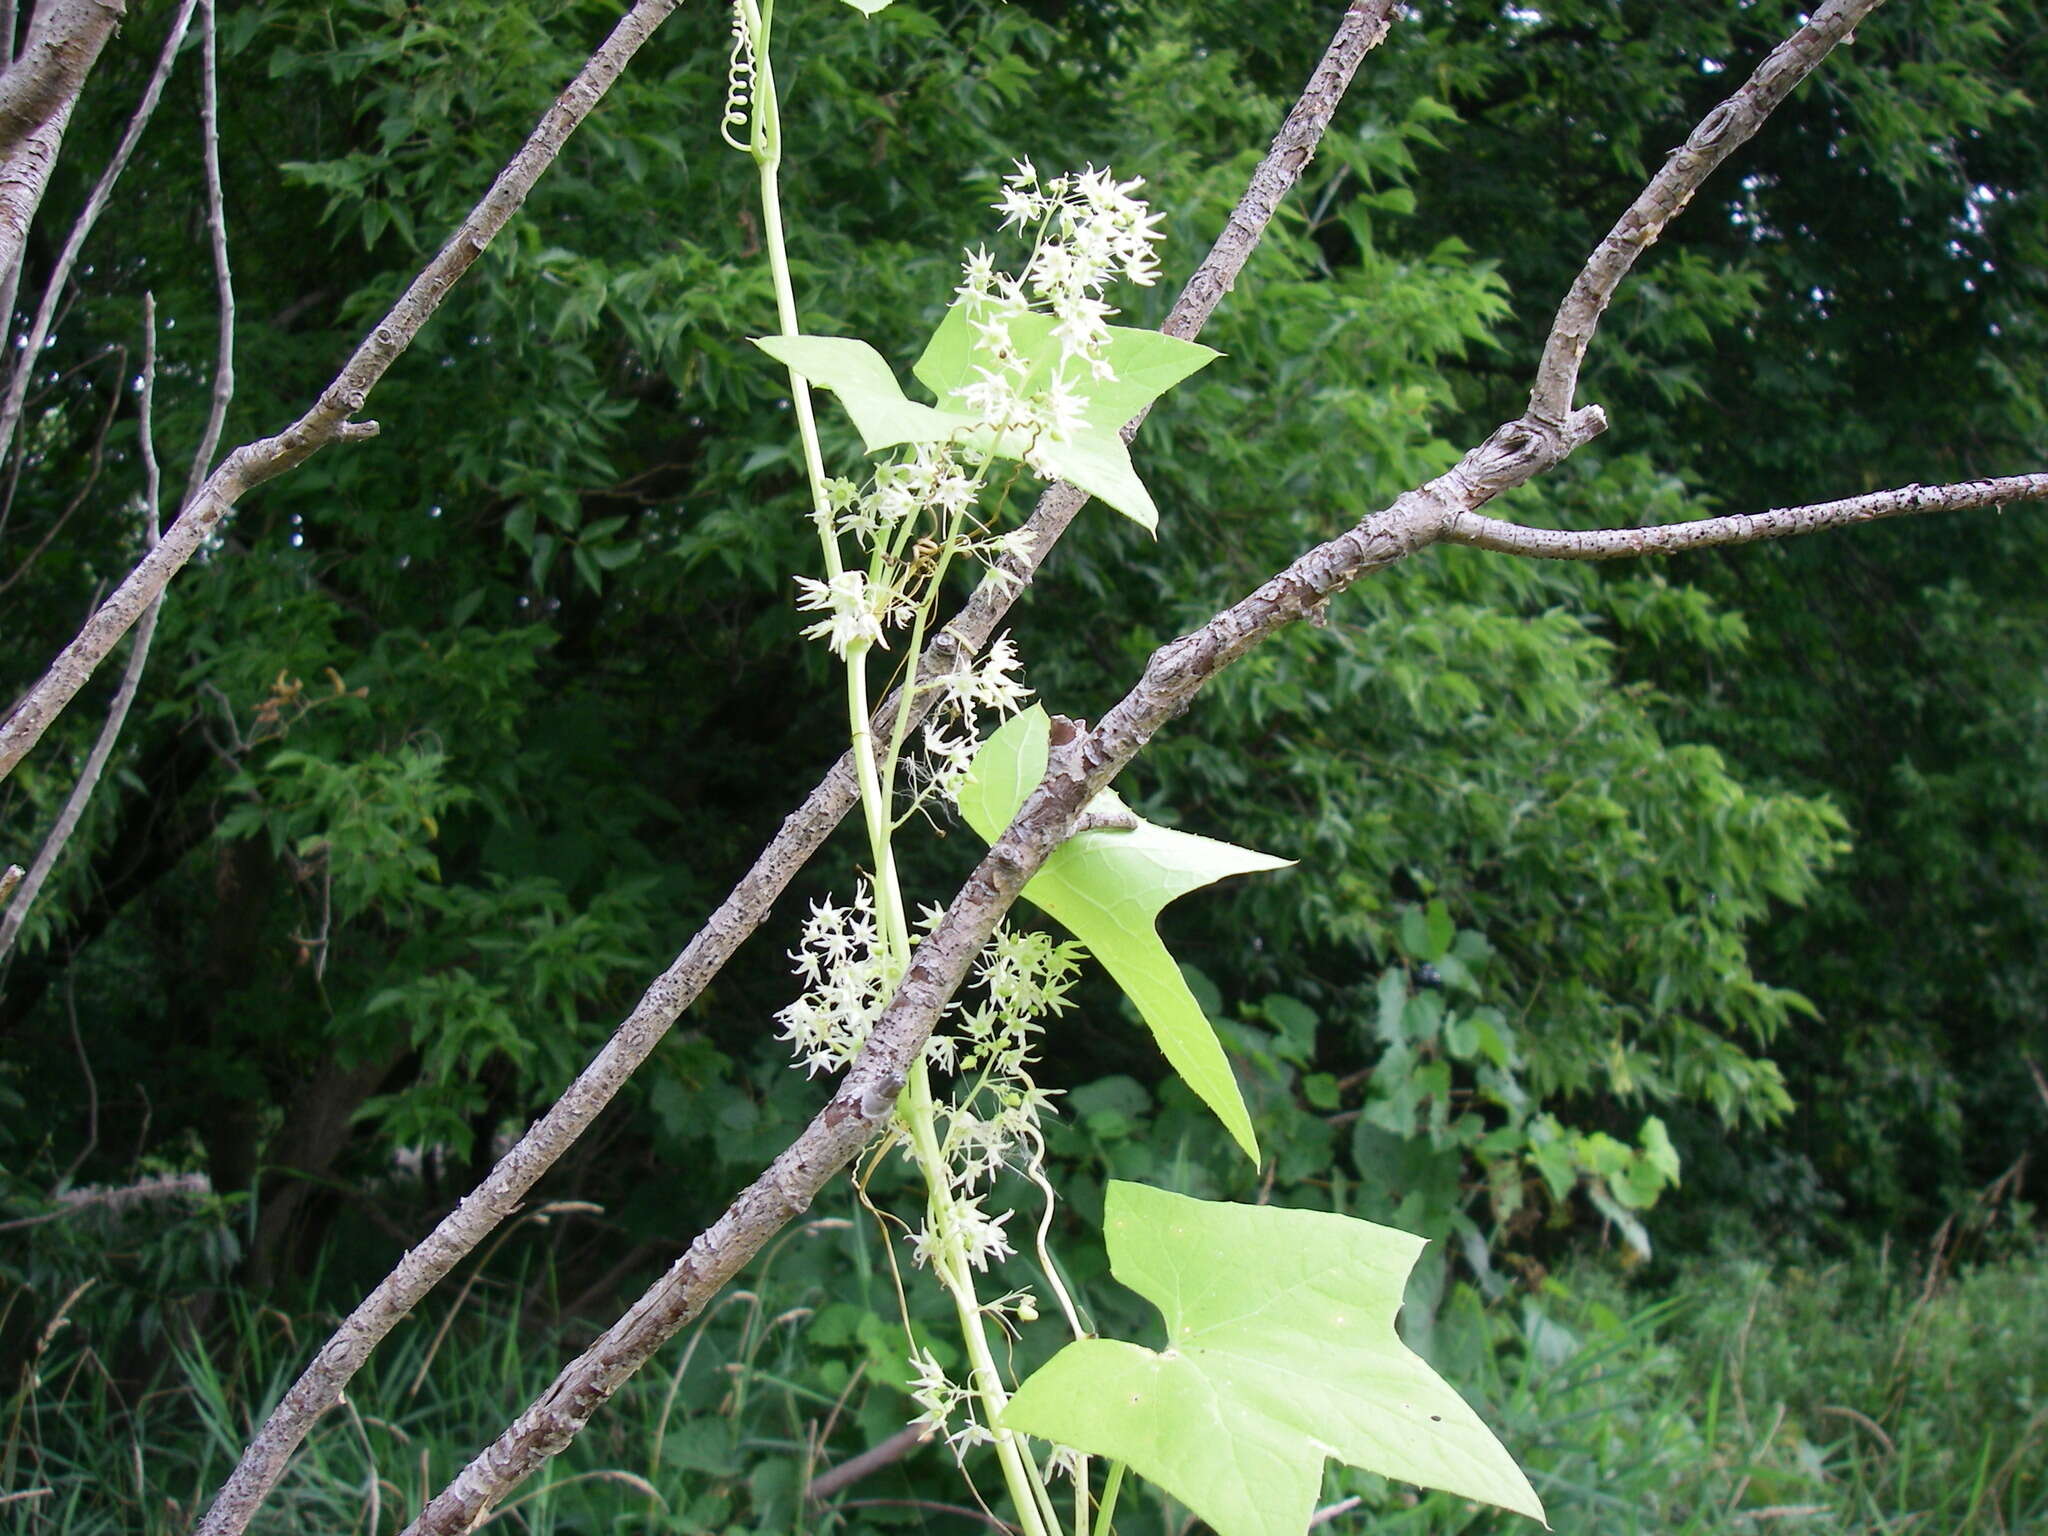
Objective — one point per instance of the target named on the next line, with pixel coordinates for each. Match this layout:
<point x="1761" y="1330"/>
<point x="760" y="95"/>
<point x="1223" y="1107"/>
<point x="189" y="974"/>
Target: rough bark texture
<point x="37" y="92"/>
<point x="24" y="176"/>
<point x="64" y="42"/>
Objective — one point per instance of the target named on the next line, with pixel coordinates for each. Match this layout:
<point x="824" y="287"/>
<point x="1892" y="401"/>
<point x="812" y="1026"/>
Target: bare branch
<point x="131" y="677"/>
<point x="209" y="439"/>
<point x="223" y="274"/>
<point x="871" y="1460"/>
<point x="801" y="834"/>
<point x="64" y="41"/>
<point x="1739" y="528"/>
<point x="24" y="177"/>
<point x="1719" y="134"/>
<point x="866" y="1099"/>
<point x="328" y="420"/>
<point x="95" y="204"/>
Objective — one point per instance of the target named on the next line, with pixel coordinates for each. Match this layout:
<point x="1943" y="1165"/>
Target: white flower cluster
<point x="931" y="477"/>
<point x="1024" y="977"/>
<point x="940" y="1397"/>
<point x="1091" y="231"/>
<point x="855" y="610"/>
<point x="1088" y="231"/>
<point x="952" y="732"/>
<point x="847" y="983"/>
<point x="970" y="1236"/>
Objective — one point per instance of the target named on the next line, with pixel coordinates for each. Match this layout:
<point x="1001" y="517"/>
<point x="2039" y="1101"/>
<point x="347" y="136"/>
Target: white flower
<point x="972" y="1236"/>
<point x="993" y="398"/>
<point x="1083" y="327"/>
<point x="978" y="273"/>
<point x="1064" y="410"/>
<point x="847" y="983"/>
<point x="854" y="610"/>
<point x="1022" y="204"/>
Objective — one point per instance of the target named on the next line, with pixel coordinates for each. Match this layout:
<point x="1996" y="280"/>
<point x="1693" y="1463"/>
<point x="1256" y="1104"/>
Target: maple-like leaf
<point x="1280" y="1352"/>
<point x="1093" y="457"/>
<point x="1107" y="888"/>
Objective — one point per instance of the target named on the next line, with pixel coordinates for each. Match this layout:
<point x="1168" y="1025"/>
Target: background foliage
<point x="1727" y="872"/>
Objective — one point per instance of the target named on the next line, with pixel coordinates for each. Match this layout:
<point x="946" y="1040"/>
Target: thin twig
<point x="131" y="677"/>
<point x="209" y="438"/>
<point x="223" y="274"/>
<point x="330" y="418"/>
<point x="1739" y="528"/>
<point x="867" y="1462"/>
<point x="1719" y="134"/>
<point x="30" y="355"/>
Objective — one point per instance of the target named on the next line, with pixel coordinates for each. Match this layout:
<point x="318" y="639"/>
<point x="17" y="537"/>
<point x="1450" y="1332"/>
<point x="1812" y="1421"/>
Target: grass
<point x="1854" y="1397"/>
<point x="1863" y="1396"/>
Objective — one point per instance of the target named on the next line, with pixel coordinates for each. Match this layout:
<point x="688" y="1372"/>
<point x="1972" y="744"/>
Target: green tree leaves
<point x="1281" y="1351"/>
<point x="1107" y="888"/>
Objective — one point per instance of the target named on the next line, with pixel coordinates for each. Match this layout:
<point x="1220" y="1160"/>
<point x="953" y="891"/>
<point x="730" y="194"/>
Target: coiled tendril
<point x="739" y="83"/>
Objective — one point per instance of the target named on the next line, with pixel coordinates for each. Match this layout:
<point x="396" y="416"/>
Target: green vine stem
<point x="916" y="1109"/>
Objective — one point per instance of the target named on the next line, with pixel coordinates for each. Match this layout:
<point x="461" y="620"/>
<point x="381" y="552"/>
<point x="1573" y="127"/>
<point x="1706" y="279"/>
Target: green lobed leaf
<point x="855" y="372"/>
<point x="1146" y="364"/>
<point x="1107" y="888"/>
<point x="1093" y="458"/>
<point x="1281" y="1351"/>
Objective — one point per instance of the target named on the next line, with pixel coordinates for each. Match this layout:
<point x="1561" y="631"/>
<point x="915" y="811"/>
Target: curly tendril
<point x="739" y="83"/>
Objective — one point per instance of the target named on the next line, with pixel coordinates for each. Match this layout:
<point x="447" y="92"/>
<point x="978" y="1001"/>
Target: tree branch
<point x="223" y="273"/>
<point x="209" y="439"/>
<point x="328" y="420"/>
<point x="866" y="1099"/>
<point x="1719" y="134"/>
<point x="131" y="677"/>
<point x="1739" y="528"/>
<point x="744" y="909"/>
<point x="95" y="204"/>
<point x="64" y="41"/>
<point x="24" y="177"/>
